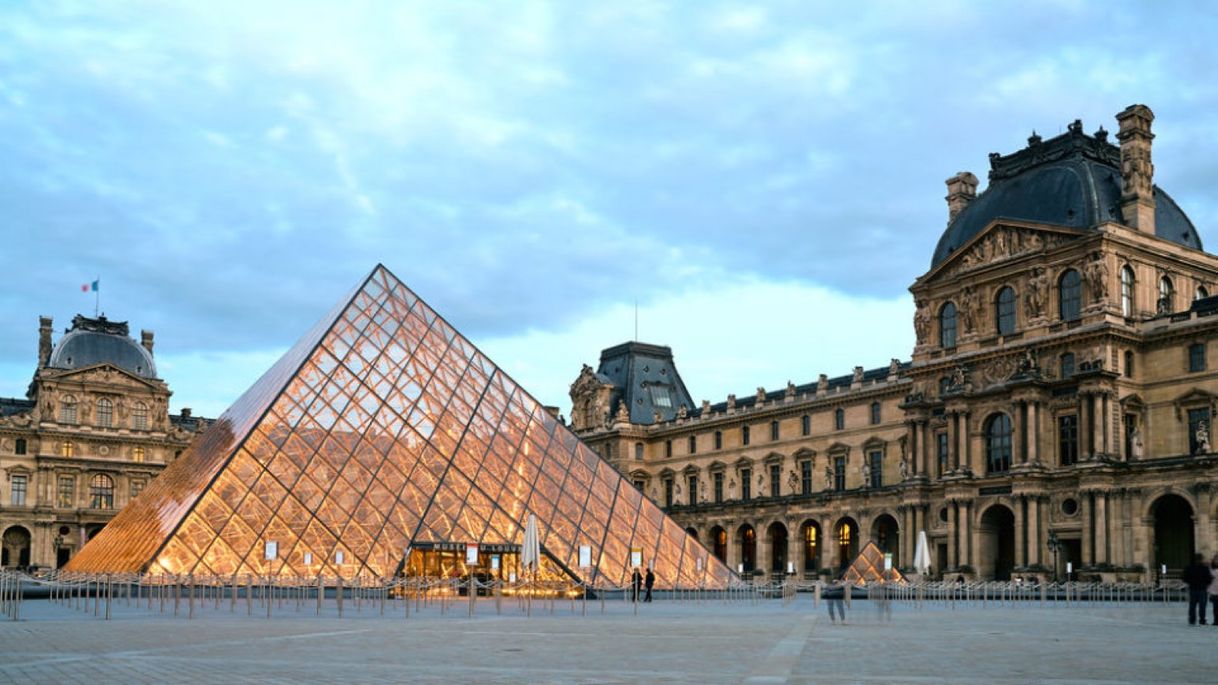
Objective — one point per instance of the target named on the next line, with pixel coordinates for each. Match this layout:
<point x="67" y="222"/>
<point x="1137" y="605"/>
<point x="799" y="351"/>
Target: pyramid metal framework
<point x="384" y="429"/>
<point x="868" y="567"/>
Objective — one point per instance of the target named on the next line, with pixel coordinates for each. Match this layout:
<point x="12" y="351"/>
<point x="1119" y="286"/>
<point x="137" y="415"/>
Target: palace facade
<point x="1055" y="414"/>
<point x="93" y="430"/>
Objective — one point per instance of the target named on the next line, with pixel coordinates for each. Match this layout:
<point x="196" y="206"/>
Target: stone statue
<point x="828" y="478"/>
<point x="623" y="413"/>
<point x="1135" y="444"/>
<point x="968" y="310"/>
<point x="731" y="402"/>
<point x="1034" y="295"/>
<point x="1203" y="438"/>
<point x="1027" y="362"/>
<point x="1096" y="273"/>
<point x="903" y="467"/>
<point x="702" y="488"/>
<point x="922" y="322"/>
<point x="790" y="395"/>
<point x="866" y="469"/>
<point x="760" y="396"/>
<point x="822" y="384"/>
<point x="792" y="482"/>
<point x="894" y="368"/>
<point x="682" y="412"/>
<point x="959" y="377"/>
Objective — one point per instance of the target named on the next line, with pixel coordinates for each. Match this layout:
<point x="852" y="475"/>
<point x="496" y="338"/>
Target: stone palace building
<point x="92" y="431"/>
<point x="1056" y="412"/>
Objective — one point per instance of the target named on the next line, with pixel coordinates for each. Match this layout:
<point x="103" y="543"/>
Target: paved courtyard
<point x="667" y="642"/>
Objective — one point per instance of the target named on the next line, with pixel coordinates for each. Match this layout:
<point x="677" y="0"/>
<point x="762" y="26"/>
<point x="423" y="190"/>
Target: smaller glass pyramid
<point x="868" y="567"/>
<point x="381" y="431"/>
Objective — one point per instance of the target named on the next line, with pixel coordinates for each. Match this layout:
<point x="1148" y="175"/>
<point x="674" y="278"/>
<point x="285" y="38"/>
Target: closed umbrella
<point x="530" y="549"/>
<point x="922" y="554"/>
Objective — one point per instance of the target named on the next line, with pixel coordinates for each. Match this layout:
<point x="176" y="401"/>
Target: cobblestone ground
<point x="667" y="642"/>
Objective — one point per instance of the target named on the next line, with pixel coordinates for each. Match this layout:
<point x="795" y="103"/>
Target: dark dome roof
<point x="98" y="341"/>
<point x="1072" y="180"/>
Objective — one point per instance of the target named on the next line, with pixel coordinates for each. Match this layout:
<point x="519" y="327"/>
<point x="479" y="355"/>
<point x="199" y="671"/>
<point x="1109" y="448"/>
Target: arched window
<point x="101" y="492"/>
<point x="947" y="325"/>
<point x="139" y="416"/>
<point x="998" y="444"/>
<point x="1070" y="296"/>
<point x="1201" y="293"/>
<point x="1126" y="291"/>
<point x="839" y="419"/>
<point x="1005" y="310"/>
<point x="1166" y="294"/>
<point x="67" y="409"/>
<point x="105" y="413"/>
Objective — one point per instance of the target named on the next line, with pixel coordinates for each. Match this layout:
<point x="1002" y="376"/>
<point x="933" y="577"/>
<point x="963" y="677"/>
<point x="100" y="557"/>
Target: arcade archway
<point x="1174" y="542"/>
<point x="996" y="548"/>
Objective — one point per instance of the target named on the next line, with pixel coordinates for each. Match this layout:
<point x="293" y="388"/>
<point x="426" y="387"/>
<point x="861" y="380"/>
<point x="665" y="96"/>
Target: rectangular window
<point x="1067" y="439"/>
<point x="1067" y="365"/>
<point x="877" y="469"/>
<point x="941" y="452"/>
<point x="19" y="446"/>
<point x="744" y="435"/>
<point x="18" y="491"/>
<point x="773" y="430"/>
<point x="775" y="480"/>
<point x="1131" y="436"/>
<point x="805" y="477"/>
<point x="693" y="444"/>
<point x="692" y="482"/>
<point x="875" y="413"/>
<point x="839" y="473"/>
<point x="718" y="440"/>
<point x="638" y="451"/>
<point x="667" y="492"/>
<point x="1196" y="357"/>
<point x="137" y="455"/>
<point x="668" y="448"/>
<point x="718" y="478"/>
<point x="805" y="425"/>
<point x="1198" y="426"/>
<point x="67" y="492"/>
<point x="746" y="484"/>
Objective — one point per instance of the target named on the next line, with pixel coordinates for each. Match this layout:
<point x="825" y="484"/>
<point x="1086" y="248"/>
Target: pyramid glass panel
<point x="384" y="429"/>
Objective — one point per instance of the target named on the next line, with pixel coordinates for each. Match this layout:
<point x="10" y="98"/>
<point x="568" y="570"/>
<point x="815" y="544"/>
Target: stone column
<point x="1021" y="538"/>
<point x="913" y="453"/>
<point x="953" y="439"/>
<point x="1033" y="527"/>
<point x="1018" y="453"/>
<point x="733" y="545"/>
<point x="966" y="537"/>
<point x="1101" y="527"/>
<point x="953" y="528"/>
<point x="1088" y="520"/>
<point x="1097" y="421"/>
<point x="968" y="445"/>
<point x="1034" y="441"/>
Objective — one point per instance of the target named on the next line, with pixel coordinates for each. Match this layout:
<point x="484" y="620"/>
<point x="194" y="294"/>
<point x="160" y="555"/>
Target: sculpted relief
<point x="1003" y="243"/>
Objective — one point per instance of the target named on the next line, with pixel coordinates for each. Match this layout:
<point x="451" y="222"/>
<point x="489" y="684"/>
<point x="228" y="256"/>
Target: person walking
<point x="833" y="595"/>
<point x="649" y="581"/>
<point x="636" y="581"/>
<point x="1198" y="578"/>
<point x="1213" y="590"/>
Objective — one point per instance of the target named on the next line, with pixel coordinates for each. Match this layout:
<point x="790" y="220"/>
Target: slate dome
<point x="1073" y="180"/>
<point x="99" y="341"/>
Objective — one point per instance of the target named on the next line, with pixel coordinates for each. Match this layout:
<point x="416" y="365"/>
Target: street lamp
<point x="1054" y="545"/>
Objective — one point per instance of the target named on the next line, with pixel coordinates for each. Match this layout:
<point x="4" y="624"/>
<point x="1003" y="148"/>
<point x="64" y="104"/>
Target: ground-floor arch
<point x="692" y="532"/>
<point x="846" y="537"/>
<point x="887" y="536"/>
<point x="810" y="538"/>
<point x="718" y="540"/>
<point x="746" y="539"/>
<point x="1173" y="541"/>
<point x="996" y="543"/>
<point x="776" y="535"/>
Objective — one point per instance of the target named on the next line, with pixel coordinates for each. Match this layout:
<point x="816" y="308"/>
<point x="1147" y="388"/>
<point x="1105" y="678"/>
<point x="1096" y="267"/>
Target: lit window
<point x="67" y="448"/>
<point x="1005" y="305"/>
<point x="137" y="455"/>
<point x="101" y="492"/>
<point x="1070" y="296"/>
<point x="105" y="413"/>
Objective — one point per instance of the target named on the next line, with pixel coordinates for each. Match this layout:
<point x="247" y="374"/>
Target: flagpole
<point x="97" y="297"/>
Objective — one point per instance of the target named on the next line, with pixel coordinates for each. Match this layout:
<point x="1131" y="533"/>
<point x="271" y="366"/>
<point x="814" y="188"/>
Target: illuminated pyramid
<point x="868" y="567"/>
<point x="383" y="430"/>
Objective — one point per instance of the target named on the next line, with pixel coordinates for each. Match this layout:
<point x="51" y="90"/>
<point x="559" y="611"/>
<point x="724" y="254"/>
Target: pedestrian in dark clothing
<point x="833" y="595"/>
<point x="1213" y="589"/>
<point x="1198" y="578"/>
<point x="636" y="581"/>
<point x="648" y="582"/>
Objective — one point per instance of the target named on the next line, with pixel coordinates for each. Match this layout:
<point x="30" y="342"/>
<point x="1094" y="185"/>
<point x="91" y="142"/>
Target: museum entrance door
<point x="997" y="552"/>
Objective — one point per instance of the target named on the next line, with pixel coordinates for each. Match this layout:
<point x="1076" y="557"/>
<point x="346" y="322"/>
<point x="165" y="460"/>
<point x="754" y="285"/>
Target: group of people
<point x="639" y="581"/>
<point x="1202" y="581"/>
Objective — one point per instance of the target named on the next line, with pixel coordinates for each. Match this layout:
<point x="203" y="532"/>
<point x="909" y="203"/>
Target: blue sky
<point x="765" y="179"/>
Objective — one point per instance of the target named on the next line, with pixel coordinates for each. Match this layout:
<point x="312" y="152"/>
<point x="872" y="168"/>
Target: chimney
<point x="961" y="190"/>
<point x="44" y="341"/>
<point x="1137" y="170"/>
<point x="146" y="340"/>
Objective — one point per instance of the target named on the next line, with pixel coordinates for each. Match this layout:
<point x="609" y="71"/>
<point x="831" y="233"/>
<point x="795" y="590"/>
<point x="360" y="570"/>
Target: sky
<point x="764" y="180"/>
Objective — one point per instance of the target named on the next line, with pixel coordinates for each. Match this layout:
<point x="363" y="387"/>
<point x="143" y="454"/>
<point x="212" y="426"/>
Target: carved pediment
<point x="773" y="458"/>
<point x="997" y="243"/>
<point x="1193" y="398"/>
<point x="101" y="374"/>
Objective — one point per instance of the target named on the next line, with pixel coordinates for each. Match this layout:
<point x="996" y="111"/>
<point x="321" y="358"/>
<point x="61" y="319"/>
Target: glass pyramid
<point x="381" y="430"/>
<point x="868" y="567"/>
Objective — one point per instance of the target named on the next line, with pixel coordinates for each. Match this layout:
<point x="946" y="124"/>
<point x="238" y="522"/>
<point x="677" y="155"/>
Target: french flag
<point x="89" y="287"/>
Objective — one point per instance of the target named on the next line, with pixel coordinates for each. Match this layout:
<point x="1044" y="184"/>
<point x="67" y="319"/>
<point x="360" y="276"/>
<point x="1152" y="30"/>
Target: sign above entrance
<point x="471" y="553"/>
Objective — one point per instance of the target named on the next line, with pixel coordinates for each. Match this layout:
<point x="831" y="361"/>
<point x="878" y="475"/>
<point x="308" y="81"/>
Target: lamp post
<point x="1054" y="545"/>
